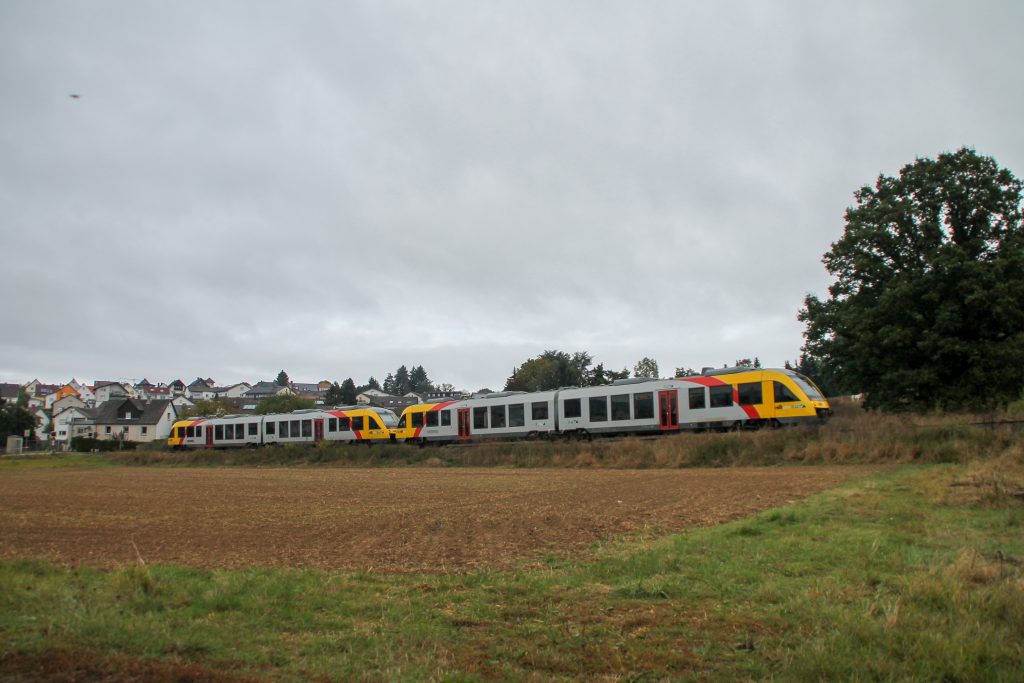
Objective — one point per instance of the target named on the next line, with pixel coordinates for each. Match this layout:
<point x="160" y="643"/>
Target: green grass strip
<point x="898" y="577"/>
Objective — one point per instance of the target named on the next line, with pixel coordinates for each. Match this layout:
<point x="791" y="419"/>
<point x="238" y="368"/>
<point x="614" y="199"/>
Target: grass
<point x="914" y="574"/>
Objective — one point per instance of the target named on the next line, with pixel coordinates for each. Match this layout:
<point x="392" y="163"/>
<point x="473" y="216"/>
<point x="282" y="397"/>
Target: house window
<point x="144" y="430"/>
<point x="107" y="430"/>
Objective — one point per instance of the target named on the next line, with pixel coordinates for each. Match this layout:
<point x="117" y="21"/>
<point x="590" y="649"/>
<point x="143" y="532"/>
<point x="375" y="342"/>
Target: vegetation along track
<point x="390" y="520"/>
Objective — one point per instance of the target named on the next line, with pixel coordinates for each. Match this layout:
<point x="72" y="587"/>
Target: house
<point x="42" y="422"/>
<point x="302" y="388"/>
<point x="61" y="425"/>
<point x="105" y="391"/>
<point x="233" y="391"/>
<point x="69" y="401"/>
<point x="178" y="387"/>
<point x="380" y="399"/>
<point x="9" y="392"/>
<point x="134" y="420"/>
<point x="68" y="389"/>
<point x="181" y="403"/>
<point x="199" y="387"/>
<point x="324" y="385"/>
<point x="262" y="390"/>
<point x="36" y="389"/>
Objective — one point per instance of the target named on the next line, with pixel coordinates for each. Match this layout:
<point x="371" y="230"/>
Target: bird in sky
<point x="74" y="96"/>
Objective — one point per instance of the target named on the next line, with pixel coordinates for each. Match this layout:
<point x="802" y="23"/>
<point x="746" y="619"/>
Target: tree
<point x="418" y="381"/>
<point x="685" y="372"/>
<point x="551" y="370"/>
<point x="372" y="384"/>
<point x="14" y="421"/>
<point x="400" y="383"/>
<point x="348" y="392"/>
<point x="334" y="396"/>
<point x="927" y="305"/>
<point x="646" y="367"/>
<point x="282" y="379"/>
<point x="389" y="384"/>
<point x="205" y="407"/>
<point x="284" y="403"/>
<point x="747" y="363"/>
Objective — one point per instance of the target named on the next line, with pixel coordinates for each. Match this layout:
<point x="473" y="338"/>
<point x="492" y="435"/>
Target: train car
<point x="188" y="434"/>
<point x="736" y="398"/>
<point x="351" y="424"/>
<point x="360" y="424"/>
<point x="500" y="415"/>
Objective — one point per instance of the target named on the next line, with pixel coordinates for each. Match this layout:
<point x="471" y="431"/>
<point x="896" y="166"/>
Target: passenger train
<point x="349" y="424"/>
<point x="733" y="398"/>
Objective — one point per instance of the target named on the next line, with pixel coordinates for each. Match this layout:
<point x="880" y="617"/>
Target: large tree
<point x="646" y="367"/>
<point x="284" y="403"/>
<point x="551" y="370"/>
<point x="14" y="421"/>
<point x="348" y="392"/>
<point x="927" y="306"/>
<point x="282" y="379"/>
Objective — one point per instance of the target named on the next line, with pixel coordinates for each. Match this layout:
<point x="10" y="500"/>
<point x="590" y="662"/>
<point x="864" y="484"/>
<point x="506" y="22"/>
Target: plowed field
<point x="391" y="520"/>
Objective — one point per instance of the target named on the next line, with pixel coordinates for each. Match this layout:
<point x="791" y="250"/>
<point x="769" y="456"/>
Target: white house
<point x="107" y="391"/>
<point x="135" y="420"/>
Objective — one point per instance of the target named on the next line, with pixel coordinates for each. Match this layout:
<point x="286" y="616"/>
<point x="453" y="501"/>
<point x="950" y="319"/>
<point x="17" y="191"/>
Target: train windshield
<point x="808" y="386"/>
<point x="388" y="419"/>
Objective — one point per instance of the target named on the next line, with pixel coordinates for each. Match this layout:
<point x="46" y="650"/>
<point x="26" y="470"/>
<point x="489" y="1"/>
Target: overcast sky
<point x="339" y="188"/>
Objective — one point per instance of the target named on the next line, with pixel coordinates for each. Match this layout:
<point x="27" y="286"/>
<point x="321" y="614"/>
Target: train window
<point x="179" y="432"/>
<point x="697" y="400"/>
<point x="497" y="417"/>
<point x="218" y="433"/>
<point x="598" y="408"/>
<point x="573" y="407"/>
<point x="373" y="423"/>
<point x="517" y="415"/>
<point x="282" y="430"/>
<point x="191" y="431"/>
<point x="446" y="418"/>
<point x="332" y="424"/>
<point x="783" y="393"/>
<point x="344" y="424"/>
<point x="749" y="393"/>
<point x="269" y="427"/>
<point x="431" y="419"/>
<point x="416" y="419"/>
<point x="357" y="423"/>
<point x="307" y="428"/>
<point x="479" y="418"/>
<point x="643" y="406"/>
<point x="539" y="410"/>
<point x="620" y="407"/>
<point x="401" y="422"/>
<point x="721" y="397"/>
<point x="254" y="429"/>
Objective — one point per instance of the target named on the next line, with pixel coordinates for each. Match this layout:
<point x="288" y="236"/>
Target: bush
<point x="85" y="444"/>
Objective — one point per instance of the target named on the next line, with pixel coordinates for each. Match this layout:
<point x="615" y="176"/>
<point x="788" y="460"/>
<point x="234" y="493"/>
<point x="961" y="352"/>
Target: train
<point x="715" y="400"/>
<point x="346" y="425"/>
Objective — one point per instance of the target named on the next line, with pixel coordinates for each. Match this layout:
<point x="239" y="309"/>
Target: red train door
<point x="318" y="430"/>
<point x="668" y="409"/>
<point x="463" y="423"/>
<point x="209" y="436"/>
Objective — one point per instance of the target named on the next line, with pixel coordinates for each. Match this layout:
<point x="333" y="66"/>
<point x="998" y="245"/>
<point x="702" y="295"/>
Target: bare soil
<point x="387" y="520"/>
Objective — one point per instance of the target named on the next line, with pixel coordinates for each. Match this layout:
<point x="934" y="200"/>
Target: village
<point x="142" y="412"/>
